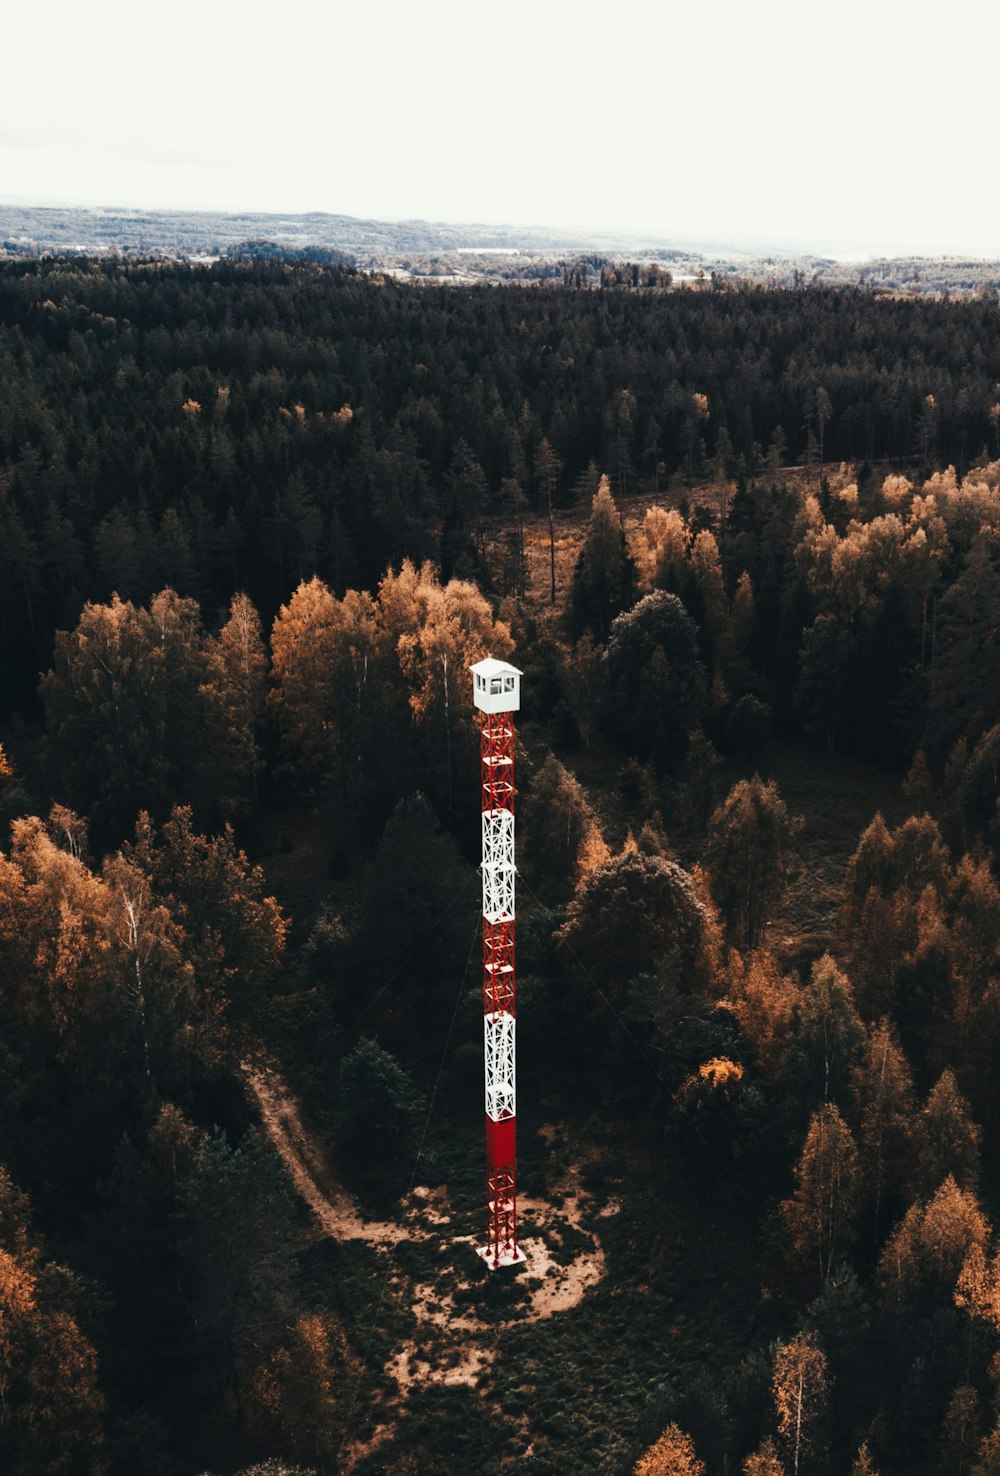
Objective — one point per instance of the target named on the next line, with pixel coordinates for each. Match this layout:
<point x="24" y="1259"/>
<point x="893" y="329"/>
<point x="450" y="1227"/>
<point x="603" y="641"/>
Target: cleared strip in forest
<point x="337" y="1213"/>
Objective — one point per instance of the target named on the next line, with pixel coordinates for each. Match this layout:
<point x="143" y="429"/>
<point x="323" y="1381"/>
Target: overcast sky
<point x="864" y="125"/>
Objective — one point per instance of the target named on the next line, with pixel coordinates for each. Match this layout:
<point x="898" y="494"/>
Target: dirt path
<point x="337" y="1213"/>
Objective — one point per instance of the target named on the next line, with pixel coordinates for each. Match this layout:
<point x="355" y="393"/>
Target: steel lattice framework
<point x="499" y="992"/>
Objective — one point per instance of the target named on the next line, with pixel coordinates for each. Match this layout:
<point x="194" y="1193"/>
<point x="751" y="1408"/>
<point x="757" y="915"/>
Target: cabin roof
<point x="490" y="666"/>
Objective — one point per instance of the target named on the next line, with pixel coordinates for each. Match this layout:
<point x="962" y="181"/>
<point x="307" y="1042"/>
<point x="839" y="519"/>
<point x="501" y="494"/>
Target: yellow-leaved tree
<point x="51" y="1406"/>
<point x="927" y="1251"/>
<point x="672" y="1455"/>
<point x="454" y="627"/>
<point x="372" y="696"/>
<point x="236" y="686"/>
<point x="800" y="1386"/>
<point x="764" y="1461"/>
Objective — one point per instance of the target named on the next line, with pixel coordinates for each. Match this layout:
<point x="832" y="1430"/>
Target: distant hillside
<point x="28" y="228"/>
<point x="458" y="252"/>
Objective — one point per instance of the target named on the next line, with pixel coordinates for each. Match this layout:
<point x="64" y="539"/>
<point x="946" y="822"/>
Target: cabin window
<point x="508" y="684"/>
<point x="494" y="686"/>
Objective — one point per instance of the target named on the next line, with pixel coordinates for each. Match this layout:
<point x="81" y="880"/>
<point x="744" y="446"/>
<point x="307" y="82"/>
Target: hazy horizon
<point x="707" y="245"/>
<point x="736" y="126"/>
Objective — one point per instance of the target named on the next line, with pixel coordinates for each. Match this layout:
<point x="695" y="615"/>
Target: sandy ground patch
<point x="451" y="1345"/>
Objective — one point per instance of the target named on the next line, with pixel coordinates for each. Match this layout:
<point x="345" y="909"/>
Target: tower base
<point x="506" y="1257"/>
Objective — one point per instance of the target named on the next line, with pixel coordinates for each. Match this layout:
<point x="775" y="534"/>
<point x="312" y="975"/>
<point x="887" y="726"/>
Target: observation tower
<point x="496" y="692"/>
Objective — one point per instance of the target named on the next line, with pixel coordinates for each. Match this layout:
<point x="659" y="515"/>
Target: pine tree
<point x="547" y="472"/>
<point x="602" y="579"/>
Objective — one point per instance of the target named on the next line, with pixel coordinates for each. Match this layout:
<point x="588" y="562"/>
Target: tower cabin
<point x="496" y="686"/>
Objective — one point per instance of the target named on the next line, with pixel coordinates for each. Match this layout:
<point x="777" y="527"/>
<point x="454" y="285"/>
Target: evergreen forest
<point x="257" y="519"/>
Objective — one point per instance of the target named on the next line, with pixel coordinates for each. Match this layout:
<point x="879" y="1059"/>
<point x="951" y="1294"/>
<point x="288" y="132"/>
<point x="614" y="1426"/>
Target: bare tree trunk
<point x="798" y="1421"/>
<point x="552" y="549"/>
<point x="359" y="684"/>
<point x="138" y="993"/>
<point x="447" y="732"/>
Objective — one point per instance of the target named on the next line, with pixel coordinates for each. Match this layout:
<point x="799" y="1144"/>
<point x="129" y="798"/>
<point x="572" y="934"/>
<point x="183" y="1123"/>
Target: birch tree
<point x="800" y="1387"/>
<point x="821" y="1214"/>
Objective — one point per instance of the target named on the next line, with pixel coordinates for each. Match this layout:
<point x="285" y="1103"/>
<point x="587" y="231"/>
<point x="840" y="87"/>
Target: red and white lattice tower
<point x="497" y="693"/>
